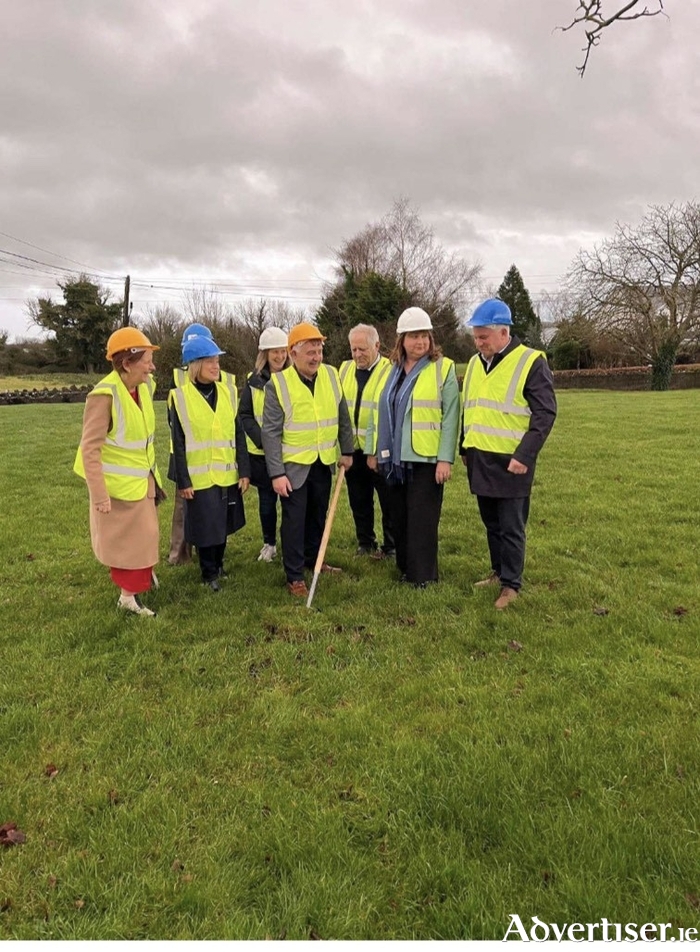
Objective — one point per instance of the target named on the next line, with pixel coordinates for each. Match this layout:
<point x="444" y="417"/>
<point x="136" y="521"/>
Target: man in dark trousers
<point x="305" y="422"/>
<point x="509" y="408"/>
<point x="363" y="379"/>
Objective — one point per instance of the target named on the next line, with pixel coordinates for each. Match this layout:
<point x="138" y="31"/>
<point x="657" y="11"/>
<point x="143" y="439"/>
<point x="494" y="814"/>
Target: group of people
<point x="396" y="426"/>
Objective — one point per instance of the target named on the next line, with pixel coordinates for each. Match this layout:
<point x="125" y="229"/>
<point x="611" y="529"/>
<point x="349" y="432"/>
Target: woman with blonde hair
<point x="116" y="458"/>
<point x="209" y="458"/>
<point x="273" y="356"/>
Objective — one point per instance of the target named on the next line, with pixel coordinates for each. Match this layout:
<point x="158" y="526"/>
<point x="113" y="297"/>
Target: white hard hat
<point x="414" y="319"/>
<point x="271" y="338"/>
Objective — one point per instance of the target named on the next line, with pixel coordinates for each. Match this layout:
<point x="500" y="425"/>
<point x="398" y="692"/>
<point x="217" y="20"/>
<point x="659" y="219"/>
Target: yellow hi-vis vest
<point x="128" y="455"/>
<point x="310" y="426"/>
<point x="258" y="396"/>
<point x="426" y="415"/>
<point x="496" y="414"/>
<point x="210" y="435"/>
<point x="180" y="378"/>
<point x="369" y="402"/>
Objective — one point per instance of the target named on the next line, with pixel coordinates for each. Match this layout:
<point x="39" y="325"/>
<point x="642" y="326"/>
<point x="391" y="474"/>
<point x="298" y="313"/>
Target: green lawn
<point x="395" y="764"/>
<point x="38" y="381"/>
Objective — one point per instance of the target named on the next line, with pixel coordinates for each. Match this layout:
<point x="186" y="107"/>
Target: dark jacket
<point x="488" y="472"/>
<point x="245" y="408"/>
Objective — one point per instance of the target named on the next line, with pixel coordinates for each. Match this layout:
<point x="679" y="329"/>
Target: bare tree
<point x="643" y="285"/>
<point x="205" y="305"/>
<point x="590" y="13"/>
<point x="161" y="322"/>
<point x="403" y="248"/>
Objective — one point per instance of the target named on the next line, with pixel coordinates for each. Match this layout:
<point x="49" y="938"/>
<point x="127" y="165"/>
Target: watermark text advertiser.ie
<point x="601" y="931"/>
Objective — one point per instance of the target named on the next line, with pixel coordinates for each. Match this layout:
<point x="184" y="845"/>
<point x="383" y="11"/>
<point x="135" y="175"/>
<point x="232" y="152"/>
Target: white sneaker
<point x="267" y="553"/>
<point x="132" y="603"/>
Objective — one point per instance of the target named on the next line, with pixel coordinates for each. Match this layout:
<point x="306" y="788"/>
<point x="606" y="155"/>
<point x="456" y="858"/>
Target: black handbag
<point x="235" y="513"/>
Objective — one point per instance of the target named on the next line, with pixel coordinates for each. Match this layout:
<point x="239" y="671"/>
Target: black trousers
<point x="505" y="521"/>
<point x="415" y="507"/>
<point x="303" y="520"/>
<point x="211" y="560"/>
<point x="362" y="483"/>
<point x="267" y="498"/>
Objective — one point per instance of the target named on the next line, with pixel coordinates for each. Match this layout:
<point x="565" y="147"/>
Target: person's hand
<point x="464" y="460"/>
<point x="518" y="469"/>
<point x="282" y="486"/>
<point x="186" y="493"/>
<point x="372" y="463"/>
<point x="345" y="462"/>
<point x="443" y="471"/>
<point x="105" y="506"/>
<point x="243" y="484"/>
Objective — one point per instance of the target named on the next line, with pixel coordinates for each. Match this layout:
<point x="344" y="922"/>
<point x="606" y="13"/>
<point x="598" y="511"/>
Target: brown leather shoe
<point x="330" y="569"/>
<point x="298" y="589"/>
<point x="491" y="579"/>
<point x="507" y="596"/>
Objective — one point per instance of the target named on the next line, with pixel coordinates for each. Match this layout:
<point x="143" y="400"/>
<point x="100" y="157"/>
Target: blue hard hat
<point x="196" y="330"/>
<point x="491" y="311"/>
<point x="197" y="347"/>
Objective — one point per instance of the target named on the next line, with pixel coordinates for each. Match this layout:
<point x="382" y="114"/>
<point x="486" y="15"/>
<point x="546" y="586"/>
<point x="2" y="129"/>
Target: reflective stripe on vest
<point x="495" y="413"/>
<point x="369" y="402"/>
<point x="258" y="399"/>
<point x="426" y="415"/>
<point x="210" y="435"/>
<point x="128" y="454"/>
<point x="310" y="427"/>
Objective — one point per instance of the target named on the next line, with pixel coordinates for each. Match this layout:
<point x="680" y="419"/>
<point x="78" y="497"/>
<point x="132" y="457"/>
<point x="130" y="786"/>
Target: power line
<point x="21" y="241"/>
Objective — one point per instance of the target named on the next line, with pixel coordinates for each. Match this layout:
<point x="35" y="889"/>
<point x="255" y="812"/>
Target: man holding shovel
<point x="305" y="421"/>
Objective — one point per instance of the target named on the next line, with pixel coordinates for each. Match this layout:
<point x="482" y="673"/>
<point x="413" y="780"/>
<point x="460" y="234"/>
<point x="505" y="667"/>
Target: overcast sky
<point x="239" y="142"/>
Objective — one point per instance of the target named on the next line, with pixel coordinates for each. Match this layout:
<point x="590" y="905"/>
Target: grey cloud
<point x="171" y="136"/>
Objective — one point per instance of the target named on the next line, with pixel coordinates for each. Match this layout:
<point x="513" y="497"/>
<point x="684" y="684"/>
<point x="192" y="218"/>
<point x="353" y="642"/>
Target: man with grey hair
<point x="305" y="422"/>
<point x="509" y="409"/>
<point x="363" y="379"/>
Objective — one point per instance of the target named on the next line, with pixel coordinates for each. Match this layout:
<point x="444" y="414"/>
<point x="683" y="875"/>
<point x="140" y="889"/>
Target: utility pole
<point x="126" y="312"/>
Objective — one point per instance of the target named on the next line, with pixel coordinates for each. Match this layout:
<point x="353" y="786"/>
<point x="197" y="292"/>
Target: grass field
<point x="46" y="381"/>
<point x="396" y="764"/>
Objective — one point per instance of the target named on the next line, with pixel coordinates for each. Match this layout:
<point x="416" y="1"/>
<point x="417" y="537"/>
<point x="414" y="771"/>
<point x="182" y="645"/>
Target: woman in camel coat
<point x="116" y="460"/>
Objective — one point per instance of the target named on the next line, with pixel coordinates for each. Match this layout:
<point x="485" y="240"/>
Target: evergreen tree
<point x="81" y="325"/>
<point x="526" y="324"/>
<point x="370" y="298"/>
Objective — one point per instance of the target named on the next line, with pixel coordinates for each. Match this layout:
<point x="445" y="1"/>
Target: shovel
<point x="326" y="533"/>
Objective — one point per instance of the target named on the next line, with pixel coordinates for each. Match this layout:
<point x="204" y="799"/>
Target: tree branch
<point x="590" y="12"/>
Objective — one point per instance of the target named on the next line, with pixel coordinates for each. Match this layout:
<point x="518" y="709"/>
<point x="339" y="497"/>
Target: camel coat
<point x="126" y="537"/>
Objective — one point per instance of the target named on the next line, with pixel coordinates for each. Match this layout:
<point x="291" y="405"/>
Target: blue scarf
<point x="391" y="423"/>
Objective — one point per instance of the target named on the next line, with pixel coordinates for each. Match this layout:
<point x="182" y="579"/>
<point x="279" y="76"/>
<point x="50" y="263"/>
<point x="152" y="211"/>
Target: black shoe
<point x="213" y="584"/>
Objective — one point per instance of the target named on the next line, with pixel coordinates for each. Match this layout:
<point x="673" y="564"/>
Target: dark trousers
<point x="211" y="560"/>
<point x="267" y="498"/>
<point x="180" y="551"/>
<point x="362" y="483"/>
<point x="505" y="521"/>
<point x="303" y="520"/>
<point x="415" y="508"/>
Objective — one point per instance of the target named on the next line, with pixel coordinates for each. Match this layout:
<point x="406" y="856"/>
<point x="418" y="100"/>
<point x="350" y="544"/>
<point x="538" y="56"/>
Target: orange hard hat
<point x="128" y="338"/>
<point x="302" y="332"/>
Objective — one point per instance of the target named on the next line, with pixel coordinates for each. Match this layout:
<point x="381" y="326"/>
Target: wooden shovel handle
<point x="329" y="520"/>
